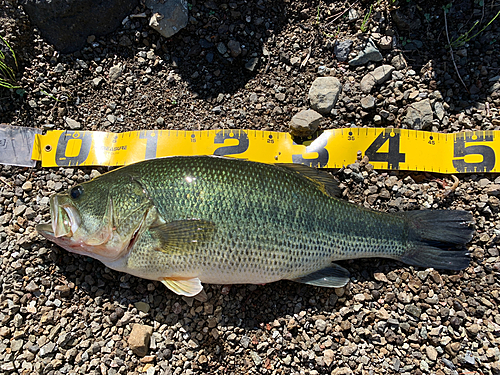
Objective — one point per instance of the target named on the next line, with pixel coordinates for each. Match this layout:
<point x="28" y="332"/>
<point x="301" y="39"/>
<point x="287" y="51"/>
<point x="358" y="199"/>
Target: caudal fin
<point x="437" y="239"/>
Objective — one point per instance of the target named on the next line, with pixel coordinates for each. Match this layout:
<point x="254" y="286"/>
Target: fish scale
<point x="187" y="220"/>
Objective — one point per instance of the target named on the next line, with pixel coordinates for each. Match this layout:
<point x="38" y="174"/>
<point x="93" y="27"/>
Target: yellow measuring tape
<point x="393" y="149"/>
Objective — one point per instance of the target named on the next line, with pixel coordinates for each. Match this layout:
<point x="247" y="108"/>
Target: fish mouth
<point x="65" y="220"/>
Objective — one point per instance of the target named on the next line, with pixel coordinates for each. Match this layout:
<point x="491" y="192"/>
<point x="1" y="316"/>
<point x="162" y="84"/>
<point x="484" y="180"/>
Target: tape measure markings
<point x="399" y="149"/>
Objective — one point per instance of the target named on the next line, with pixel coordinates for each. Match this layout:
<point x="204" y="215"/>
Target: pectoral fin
<point x="183" y="287"/>
<point x="182" y="236"/>
<point x="330" y="277"/>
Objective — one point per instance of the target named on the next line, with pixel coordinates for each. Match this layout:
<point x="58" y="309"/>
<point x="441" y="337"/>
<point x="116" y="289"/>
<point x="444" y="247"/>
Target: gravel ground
<point x="66" y="314"/>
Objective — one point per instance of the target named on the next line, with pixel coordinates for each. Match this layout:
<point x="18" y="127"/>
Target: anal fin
<point x="333" y="276"/>
<point x="183" y="287"/>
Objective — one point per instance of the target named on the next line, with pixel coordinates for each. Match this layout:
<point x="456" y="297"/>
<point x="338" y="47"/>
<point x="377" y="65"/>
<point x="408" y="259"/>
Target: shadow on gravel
<point x="224" y="47"/>
<point x="253" y="308"/>
<point x="423" y="35"/>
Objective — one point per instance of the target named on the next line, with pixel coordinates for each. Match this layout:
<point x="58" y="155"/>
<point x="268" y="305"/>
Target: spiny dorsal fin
<point x="323" y="180"/>
<point x="182" y="236"/>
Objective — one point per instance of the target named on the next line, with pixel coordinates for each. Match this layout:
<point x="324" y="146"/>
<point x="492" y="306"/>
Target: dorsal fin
<point x="323" y="180"/>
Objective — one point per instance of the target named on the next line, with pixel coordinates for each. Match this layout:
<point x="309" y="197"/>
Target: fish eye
<point x="76" y="192"/>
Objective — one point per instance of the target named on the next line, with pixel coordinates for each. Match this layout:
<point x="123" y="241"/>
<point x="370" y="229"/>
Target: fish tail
<point x="437" y="239"/>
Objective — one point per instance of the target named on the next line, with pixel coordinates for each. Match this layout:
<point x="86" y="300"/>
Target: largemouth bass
<point x="188" y="220"/>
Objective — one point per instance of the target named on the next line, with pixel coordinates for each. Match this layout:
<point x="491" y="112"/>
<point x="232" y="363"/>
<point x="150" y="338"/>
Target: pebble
<point x="324" y="93"/>
<point x="378" y="76"/>
<point x="27" y="186"/>
<point x="115" y="72"/>
<point x="305" y="123"/>
<point x="342" y="49"/>
<point x="72" y="124"/>
<point x="328" y="356"/>
<point x="398" y="62"/>
<point x="369" y="53"/>
<point x="419" y="115"/>
<point x="256" y="358"/>
<point x="368" y="102"/>
<point x="431" y="353"/>
<point x="139" y="339"/>
<point x="413" y="310"/>
<point x="251" y="64"/>
<point x="320" y="325"/>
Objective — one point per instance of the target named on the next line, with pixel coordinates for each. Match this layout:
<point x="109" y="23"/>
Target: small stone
<point x="124" y="41"/>
<point x="439" y="110"/>
<point x="369" y="53"/>
<point x="424" y="366"/>
<point x="32" y="287"/>
<point x="245" y="341"/>
<point x="342" y="49"/>
<point x="234" y="48"/>
<point x="139" y="338"/>
<point x="168" y="17"/>
<point x="305" y="123"/>
<point x="398" y="62"/>
<point x="379" y="276"/>
<point x="73" y="124"/>
<point x="368" y="102"/>
<point x="96" y="82"/>
<point x="382" y="314"/>
<point x="328" y="356"/>
<point x="320" y="325"/>
<point x="413" y="311"/>
<point x="251" y="64"/>
<point x="469" y="358"/>
<point x="8" y="366"/>
<point x="115" y="72"/>
<point x="349" y="350"/>
<point x="342" y="371"/>
<point x="324" y="93"/>
<point x="431" y="353"/>
<point x="16" y="345"/>
<point x="419" y="115"/>
<point x="256" y="358"/>
<point x="378" y="76"/>
<point x="142" y="306"/>
<point x="473" y="329"/>
<point x="27" y="186"/>
<point x="385" y="42"/>
<point x="360" y="297"/>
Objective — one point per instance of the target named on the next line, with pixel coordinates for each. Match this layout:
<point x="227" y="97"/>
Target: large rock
<point x="169" y="16"/>
<point x="67" y="23"/>
<point x="324" y="93"/>
<point x="419" y="115"/>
